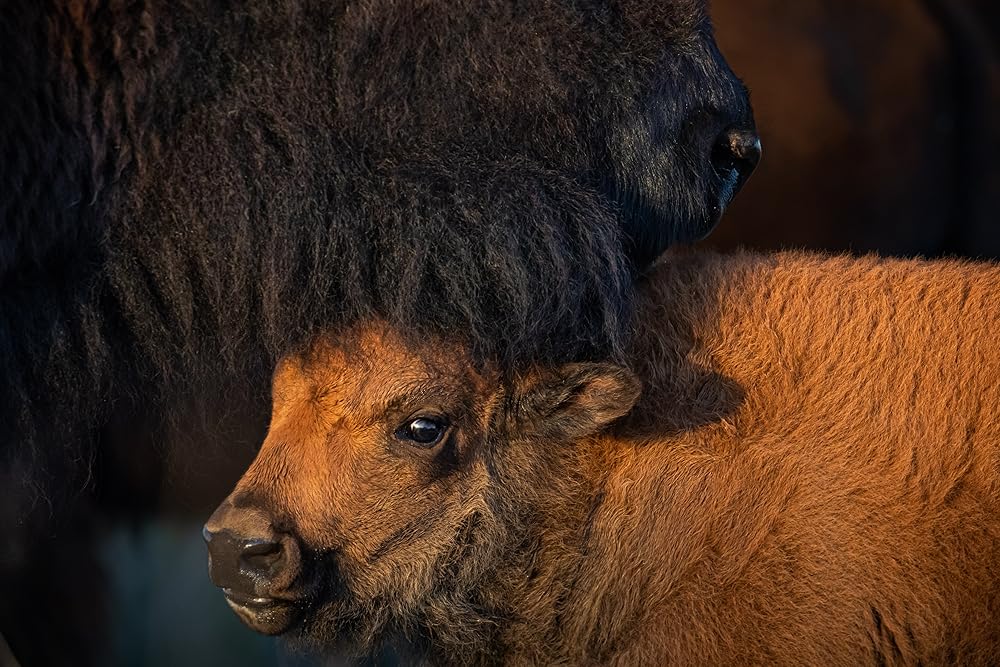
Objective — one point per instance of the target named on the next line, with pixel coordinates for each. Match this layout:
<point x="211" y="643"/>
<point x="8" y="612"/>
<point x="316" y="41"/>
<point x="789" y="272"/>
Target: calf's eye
<point x="424" y="431"/>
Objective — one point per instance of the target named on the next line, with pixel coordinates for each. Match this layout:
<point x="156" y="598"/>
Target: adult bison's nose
<point x="255" y="565"/>
<point x="735" y="155"/>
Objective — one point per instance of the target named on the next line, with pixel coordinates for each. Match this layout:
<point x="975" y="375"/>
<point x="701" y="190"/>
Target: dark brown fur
<point x="810" y="476"/>
<point x="190" y="189"/>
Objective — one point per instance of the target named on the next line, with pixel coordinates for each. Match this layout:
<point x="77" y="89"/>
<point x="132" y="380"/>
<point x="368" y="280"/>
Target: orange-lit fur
<point x="840" y="503"/>
<point x="810" y="476"/>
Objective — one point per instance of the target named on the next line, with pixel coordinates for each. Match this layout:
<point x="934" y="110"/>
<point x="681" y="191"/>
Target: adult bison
<point x="881" y="120"/>
<point x="186" y="183"/>
<point x="190" y="188"/>
<point x="801" y="467"/>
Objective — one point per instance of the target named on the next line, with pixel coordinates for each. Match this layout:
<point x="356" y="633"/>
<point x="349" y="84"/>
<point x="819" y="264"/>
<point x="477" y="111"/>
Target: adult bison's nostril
<point x="737" y="151"/>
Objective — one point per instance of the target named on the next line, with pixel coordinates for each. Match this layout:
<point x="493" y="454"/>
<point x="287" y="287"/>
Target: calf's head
<point x="395" y="483"/>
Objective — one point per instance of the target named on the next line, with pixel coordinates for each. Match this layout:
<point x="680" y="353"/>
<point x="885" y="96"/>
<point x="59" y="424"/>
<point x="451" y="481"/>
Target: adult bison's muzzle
<point x="681" y="197"/>
<point x="680" y="146"/>
<point x="735" y="156"/>
<point x="256" y="566"/>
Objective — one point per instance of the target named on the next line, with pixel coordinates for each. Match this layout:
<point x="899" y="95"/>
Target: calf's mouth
<point x="269" y="616"/>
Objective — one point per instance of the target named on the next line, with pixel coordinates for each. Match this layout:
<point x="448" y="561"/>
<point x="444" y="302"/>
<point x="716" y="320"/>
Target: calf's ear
<point x="575" y="400"/>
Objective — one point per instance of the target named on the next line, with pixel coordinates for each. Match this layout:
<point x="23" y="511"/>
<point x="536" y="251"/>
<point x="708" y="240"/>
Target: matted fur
<point x="190" y="188"/>
<point x="810" y="476"/>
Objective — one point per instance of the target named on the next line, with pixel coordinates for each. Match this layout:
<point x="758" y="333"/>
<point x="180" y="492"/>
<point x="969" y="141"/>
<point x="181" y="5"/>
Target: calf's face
<point x="391" y="479"/>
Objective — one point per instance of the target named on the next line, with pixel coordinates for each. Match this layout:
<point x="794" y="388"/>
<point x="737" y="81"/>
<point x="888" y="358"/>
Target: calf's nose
<point x="246" y="556"/>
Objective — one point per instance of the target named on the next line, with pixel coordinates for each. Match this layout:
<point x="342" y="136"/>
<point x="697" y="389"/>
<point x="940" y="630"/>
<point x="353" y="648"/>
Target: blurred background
<point x="881" y="125"/>
<point x="880" y="121"/>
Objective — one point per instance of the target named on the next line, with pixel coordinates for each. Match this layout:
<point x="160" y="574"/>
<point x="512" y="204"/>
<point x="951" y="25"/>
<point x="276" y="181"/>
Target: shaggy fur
<point x="191" y="187"/>
<point x="810" y="476"/>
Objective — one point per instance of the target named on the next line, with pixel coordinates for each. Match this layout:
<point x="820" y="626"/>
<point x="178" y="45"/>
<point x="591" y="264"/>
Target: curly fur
<point x="809" y="476"/>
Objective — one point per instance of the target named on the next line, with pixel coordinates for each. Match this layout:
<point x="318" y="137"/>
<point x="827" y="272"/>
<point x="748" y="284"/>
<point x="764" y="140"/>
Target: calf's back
<point x="812" y="475"/>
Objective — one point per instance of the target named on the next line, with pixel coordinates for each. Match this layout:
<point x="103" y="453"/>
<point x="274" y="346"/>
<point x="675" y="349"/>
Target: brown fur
<point x="810" y="476"/>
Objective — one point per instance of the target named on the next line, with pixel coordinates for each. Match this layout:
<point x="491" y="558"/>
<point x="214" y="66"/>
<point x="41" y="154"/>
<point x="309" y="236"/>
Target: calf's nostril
<point x="261" y="554"/>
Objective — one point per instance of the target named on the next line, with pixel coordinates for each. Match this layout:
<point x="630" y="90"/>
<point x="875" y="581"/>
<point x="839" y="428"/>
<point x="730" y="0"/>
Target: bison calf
<point x="801" y="467"/>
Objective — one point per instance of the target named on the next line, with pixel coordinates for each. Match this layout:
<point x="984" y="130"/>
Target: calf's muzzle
<point x="255" y="565"/>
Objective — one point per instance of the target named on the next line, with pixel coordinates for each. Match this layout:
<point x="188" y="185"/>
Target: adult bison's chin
<point x="669" y="198"/>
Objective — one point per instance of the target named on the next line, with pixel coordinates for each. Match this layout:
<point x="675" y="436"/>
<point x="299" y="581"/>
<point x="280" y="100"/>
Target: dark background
<point x="879" y="120"/>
